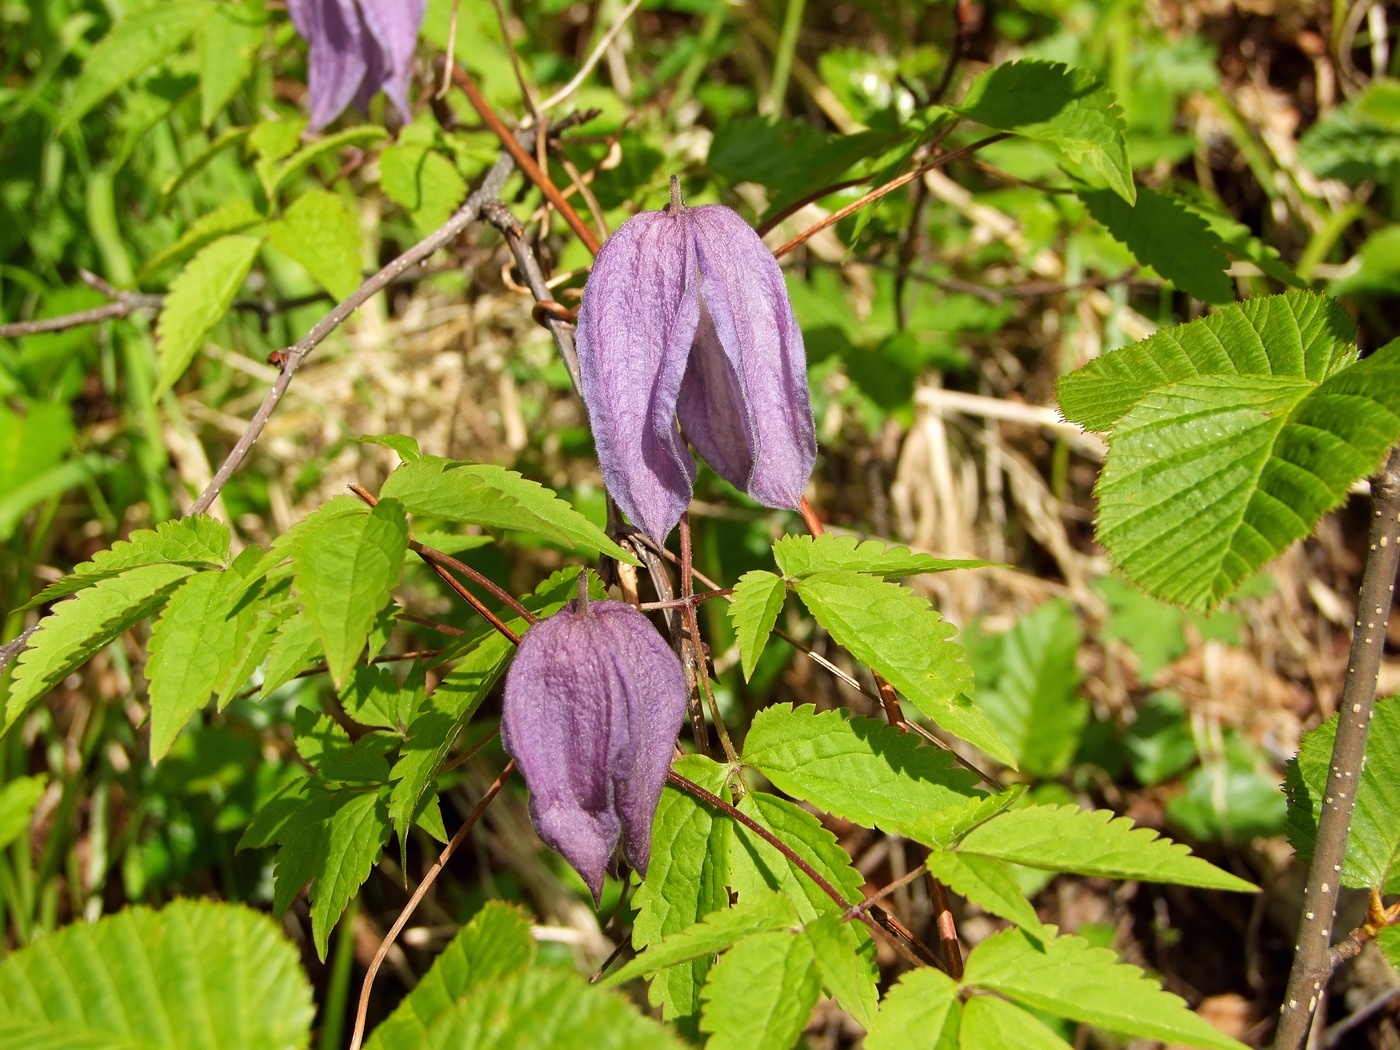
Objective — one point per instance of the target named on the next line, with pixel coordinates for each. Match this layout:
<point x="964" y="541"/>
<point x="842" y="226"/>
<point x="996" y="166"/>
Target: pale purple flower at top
<point x="593" y="703"/>
<point x="686" y="333"/>
<point x="357" y="47"/>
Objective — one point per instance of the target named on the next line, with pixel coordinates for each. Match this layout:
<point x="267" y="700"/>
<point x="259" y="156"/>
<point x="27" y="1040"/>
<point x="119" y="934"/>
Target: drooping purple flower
<point x="357" y="47"/>
<point x="593" y="702"/>
<point x="686" y="333"/>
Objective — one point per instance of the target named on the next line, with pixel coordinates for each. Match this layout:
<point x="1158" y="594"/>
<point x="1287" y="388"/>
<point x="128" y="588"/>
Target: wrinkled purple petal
<point x="635" y="327"/>
<point x="593" y="703"/>
<point x="337" y="62"/>
<point x="745" y="406"/>
<point x="394" y="25"/>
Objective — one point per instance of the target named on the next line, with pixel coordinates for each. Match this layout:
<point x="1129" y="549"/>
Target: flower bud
<point x="686" y="328"/>
<point x="593" y="703"/>
<point x="357" y="47"/>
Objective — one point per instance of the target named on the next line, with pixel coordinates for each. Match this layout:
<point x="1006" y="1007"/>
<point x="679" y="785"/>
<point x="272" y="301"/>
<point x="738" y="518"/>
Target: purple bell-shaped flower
<point x="686" y="329"/>
<point x="357" y="47"/>
<point x="593" y="703"/>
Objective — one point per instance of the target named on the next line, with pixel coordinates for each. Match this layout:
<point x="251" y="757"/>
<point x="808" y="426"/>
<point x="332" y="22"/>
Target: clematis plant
<point x="685" y="334"/>
<point x="593" y="703"/>
<point x="357" y="48"/>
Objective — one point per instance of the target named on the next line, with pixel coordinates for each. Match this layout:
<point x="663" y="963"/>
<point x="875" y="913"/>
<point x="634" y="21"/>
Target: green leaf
<point x="135" y="44"/>
<point x="1034" y="702"/>
<point x="1373" y="846"/>
<point x="226" y="140"/>
<point x="1388" y="941"/>
<point x="758" y="598"/>
<point x="375" y="697"/>
<point x="347" y="559"/>
<point x="1092" y="842"/>
<point x="845" y="958"/>
<point x="760" y="993"/>
<point x="403" y="444"/>
<point x="196" y="975"/>
<point x="801" y="556"/>
<point x="233" y="216"/>
<point x="227" y="42"/>
<point x="17" y="801"/>
<point x="81" y="626"/>
<point x="1065" y="976"/>
<point x="1062" y="105"/>
<point x="986" y="883"/>
<point x="327" y="748"/>
<point x="423" y="181"/>
<point x="322" y="234"/>
<point x="294" y="649"/>
<point x="945" y="827"/>
<point x="899" y="635"/>
<point x="1255" y="459"/>
<point x="921" y="1010"/>
<point x="495" y="498"/>
<point x="715" y="933"/>
<point x="258" y="621"/>
<point x="988" y="1022"/>
<point x="859" y="769"/>
<point x="361" y="135"/>
<point x="495" y="944"/>
<point x="1358" y="140"/>
<point x="686" y="880"/>
<point x="1163" y="234"/>
<point x="546" y="1009"/>
<point x="199" y="296"/>
<point x="195" y="648"/>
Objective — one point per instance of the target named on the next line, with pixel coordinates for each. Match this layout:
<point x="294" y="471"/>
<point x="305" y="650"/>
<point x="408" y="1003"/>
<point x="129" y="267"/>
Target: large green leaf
<point x="922" y="1010"/>
<point x="1062" y="105"/>
<point x="986" y="883"/>
<point x="1163" y="234"/>
<point x="322" y="233"/>
<point x="901" y="636"/>
<point x="197" y="975"/>
<point x="1034" y="701"/>
<point x="1373" y="846"/>
<point x="80" y="626"/>
<point x="1231" y="437"/>
<point x="991" y="1022"/>
<point x="799" y="556"/>
<point x="134" y="45"/>
<point x="496" y="498"/>
<point x="859" y="769"/>
<point x="1092" y="842"/>
<point x="1065" y="976"/>
<point x="845" y="958"/>
<point x="199" y="296"/>
<point x="758" y="598"/>
<point x="760" y="993"/>
<point x="347" y="559"/>
<point x="495" y="944"/>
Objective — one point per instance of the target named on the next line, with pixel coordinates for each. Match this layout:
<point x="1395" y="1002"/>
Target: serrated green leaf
<point x="1388" y="941"/>
<point x="423" y="181"/>
<point x="1065" y="976"/>
<point x="986" y="883"/>
<point x="1358" y="140"/>
<point x="258" y="620"/>
<point x="322" y="234"/>
<point x="859" y="769"/>
<point x="945" y="827"/>
<point x="1034" y="702"/>
<point x="758" y="598"/>
<point x="135" y="44"/>
<point x="546" y="1009"/>
<point x="495" y="498"/>
<point x="921" y="1010"/>
<point x="991" y="1022"/>
<point x="17" y="801"/>
<point x="375" y="697"/>
<point x="403" y="444"/>
<point x="901" y="636"/>
<point x="346" y="566"/>
<point x="196" y="975"/>
<point x="845" y="958"/>
<point x="81" y="626"/>
<point x="1092" y="842"/>
<point x="326" y="747"/>
<point x="760" y="993"/>
<point x="715" y="933"/>
<point x="225" y="140"/>
<point x="1165" y="235"/>
<point x="199" y="296"/>
<point x="495" y="944"/>
<point x="800" y="556"/>
<point x="687" y="879"/>
<point x="1373" y="846"/>
<point x="361" y="135"/>
<point x="233" y="216"/>
<point x="293" y="650"/>
<point x="1297" y="334"/>
<point x="195" y="646"/>
<point x="1062" y="105"/>
<point x="227" y="42"/>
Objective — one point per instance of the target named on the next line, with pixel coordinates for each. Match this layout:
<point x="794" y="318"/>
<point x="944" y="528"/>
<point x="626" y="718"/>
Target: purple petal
<point x="745" y="406"/>
<point x="635" y="327"/>
<point x="337" y="63"/>
<point x="394" y="25"/>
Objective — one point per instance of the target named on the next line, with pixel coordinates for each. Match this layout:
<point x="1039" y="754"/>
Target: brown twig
<point x="408" y="909"/>
<point x="125" y="304"/>
<point x="694" y="648"/>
